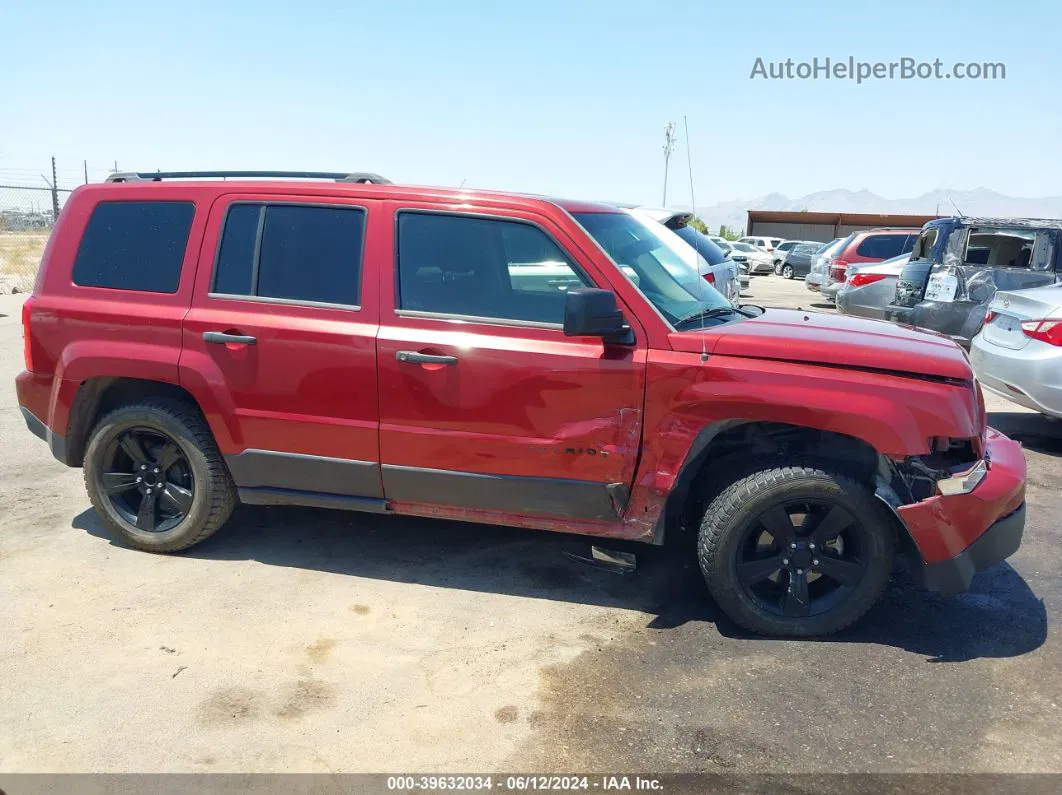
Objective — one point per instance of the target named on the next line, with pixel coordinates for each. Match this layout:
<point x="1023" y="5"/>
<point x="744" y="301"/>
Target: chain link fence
<point x="27" y="215"/>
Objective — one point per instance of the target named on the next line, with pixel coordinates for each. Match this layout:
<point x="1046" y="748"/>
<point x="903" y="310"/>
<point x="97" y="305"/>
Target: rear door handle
<point x="424" y="358"/>
<point x="221" y="338"/>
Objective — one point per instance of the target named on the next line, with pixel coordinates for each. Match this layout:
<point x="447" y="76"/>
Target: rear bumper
<point x="830" y="290"/>
<point x="959" y="320"/>
<point x="898" y="314"/>
<point x="33" y="392"/>
<point x="56" y="443"/>
<point x="960" y="534"/>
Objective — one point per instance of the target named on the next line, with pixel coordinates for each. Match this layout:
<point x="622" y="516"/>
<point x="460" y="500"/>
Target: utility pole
<point x="55" y="193"/>
<point x="669" y="147"/>
<point x="85" y="162"/>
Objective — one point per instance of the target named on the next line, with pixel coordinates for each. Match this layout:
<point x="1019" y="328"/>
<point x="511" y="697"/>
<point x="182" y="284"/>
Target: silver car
<point x="712" y="263"/>
<point x="1018" y="352"/>
<point x="820" y="265"/>
<point x="868" y="289"/>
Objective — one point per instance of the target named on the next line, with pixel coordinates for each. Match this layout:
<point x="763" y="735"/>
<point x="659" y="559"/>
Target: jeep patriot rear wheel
<point x="155" y="476"/>
<point x="795" y="551"/>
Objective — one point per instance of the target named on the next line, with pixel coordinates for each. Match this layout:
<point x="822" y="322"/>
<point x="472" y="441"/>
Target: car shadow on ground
<point x="999" y="617"/>
<point x="1035" y="431"/>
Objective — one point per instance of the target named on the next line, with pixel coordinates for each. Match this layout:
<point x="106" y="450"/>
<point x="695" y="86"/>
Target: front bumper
<point x="996" y="544"/>
<point x="959" y="534"/>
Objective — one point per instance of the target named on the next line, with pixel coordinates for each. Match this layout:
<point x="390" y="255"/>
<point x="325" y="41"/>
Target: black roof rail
<point x="158" y="176"/>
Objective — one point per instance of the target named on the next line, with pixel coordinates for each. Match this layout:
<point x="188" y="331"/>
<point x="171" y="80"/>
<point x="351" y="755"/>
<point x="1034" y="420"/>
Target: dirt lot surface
<point x="302" y="640"/>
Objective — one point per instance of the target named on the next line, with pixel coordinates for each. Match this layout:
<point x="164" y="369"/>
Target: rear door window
<point x="881" y="246"/>
<point x="136" y="245"/>
<point x="292" y="252"/>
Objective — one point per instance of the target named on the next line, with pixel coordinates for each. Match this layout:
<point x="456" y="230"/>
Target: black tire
<point x="212" y="492"/>
<point x="736" y="523"/>
<point x="787" y="271"/>
<point x="778" y="268"/>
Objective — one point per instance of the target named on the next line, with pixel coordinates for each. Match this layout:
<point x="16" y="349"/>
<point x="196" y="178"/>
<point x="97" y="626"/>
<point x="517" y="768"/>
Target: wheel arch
<point x="735" y="442"/>
<point x="95" y="397"/>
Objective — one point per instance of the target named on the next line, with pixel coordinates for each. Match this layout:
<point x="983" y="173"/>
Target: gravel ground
<point x="302" y="640"/>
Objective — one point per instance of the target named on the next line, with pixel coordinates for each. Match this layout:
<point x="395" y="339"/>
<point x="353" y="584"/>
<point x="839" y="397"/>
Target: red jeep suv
<point x="336" y="340"/>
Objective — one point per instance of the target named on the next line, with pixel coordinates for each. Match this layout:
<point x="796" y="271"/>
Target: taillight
<point x="840" y="263"/>
<point x="710" y="278"/>
<point x="1049" y="331"/>
<point x="989" y="316"/>
<point x="27" y="347"/>
<point x="860" y="279"/>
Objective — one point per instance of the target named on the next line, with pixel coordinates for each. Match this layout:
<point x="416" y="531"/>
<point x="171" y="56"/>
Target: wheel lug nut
<point x="785" y="561"/>
<point x="800" y="571"/>
<point x="815" y="563"/>
<point x="792" y="544"/>
<point x="810" y="546"/>
<point x="156" y="470"/>
<point x="138" y="479"/>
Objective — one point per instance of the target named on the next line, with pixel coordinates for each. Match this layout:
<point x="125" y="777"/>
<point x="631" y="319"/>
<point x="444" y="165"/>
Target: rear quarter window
<point x="135" y="245"/>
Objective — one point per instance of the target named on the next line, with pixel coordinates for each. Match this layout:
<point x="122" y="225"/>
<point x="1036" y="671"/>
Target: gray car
<point x="783" y="248"/>
<point x="959" y="263"/>
<point x="868" y="289"/>
<point x="1018" y="352"/>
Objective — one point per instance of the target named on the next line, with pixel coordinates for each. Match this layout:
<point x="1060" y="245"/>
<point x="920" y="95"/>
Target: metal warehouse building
<point x="823" y="226"/>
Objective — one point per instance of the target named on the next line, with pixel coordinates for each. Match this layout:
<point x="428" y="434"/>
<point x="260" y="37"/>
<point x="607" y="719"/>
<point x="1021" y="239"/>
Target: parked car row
<point x="990" y="284"/>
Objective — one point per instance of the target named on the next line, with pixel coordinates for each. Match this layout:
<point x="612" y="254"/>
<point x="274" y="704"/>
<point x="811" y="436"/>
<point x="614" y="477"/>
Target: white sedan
<point x="757" y="259"/>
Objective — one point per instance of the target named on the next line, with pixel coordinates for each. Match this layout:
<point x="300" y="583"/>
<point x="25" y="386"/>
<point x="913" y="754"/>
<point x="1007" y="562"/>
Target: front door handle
<point x="222" y="338"/>
<point x="424" y="358"/>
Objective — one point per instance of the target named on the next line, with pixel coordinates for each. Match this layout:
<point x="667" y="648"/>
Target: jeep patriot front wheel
<point x="795" y="551"/>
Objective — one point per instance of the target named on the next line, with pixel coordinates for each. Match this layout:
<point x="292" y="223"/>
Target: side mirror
<point x="589" y="312"/>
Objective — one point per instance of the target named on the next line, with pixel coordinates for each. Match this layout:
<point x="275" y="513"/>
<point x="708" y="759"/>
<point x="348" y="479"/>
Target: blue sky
<point x="568" y="98"/>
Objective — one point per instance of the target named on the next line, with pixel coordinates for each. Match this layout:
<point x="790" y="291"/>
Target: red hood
<point x="832" y="339"/>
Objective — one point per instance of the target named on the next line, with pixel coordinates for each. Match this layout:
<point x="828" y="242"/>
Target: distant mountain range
<point x="980" y="201"/>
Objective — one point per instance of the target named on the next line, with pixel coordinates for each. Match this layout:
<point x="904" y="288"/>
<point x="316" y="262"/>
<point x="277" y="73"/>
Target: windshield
<point x="745" y="247"/>
<point x="705" y="247"/>
<point x="655" y="255"/>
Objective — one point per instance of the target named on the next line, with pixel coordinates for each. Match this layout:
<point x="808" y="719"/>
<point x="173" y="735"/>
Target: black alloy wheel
<point x="801" y="558"/>
<point x="796" y="549"/>
<point x="147" y="479"/>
